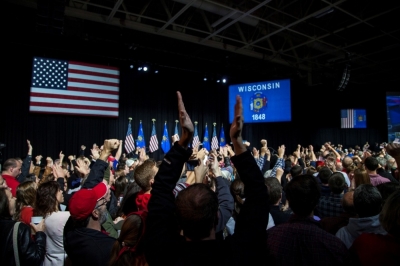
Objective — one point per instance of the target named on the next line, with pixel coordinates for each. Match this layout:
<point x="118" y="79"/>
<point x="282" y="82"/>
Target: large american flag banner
<point x="74" y="88"/>
<point x="129" y="142"/>
<point x="153" y="140"/>
<point x="347" y="118"/>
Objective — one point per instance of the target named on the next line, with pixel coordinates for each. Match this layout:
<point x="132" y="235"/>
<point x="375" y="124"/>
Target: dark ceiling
<point x="309" y="40"/>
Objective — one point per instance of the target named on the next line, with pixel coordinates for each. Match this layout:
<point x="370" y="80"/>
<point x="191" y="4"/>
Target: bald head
<point x="347" y="161"/>
<point x="348" y="202"/>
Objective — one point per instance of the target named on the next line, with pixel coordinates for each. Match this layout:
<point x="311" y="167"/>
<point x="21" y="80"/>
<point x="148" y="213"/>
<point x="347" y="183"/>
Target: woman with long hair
<point x="30" y="252"/>
<point x="360" y="177"/>
<point x="26" y="199"/>
<point x="127" y="249"/>
<point x="48" y="199"/>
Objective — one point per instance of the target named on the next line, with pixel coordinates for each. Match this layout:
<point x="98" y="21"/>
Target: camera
<point x="191" y="164"/>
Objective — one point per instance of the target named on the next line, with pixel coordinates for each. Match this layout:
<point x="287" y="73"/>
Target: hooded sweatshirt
<point x="357" y="226"/>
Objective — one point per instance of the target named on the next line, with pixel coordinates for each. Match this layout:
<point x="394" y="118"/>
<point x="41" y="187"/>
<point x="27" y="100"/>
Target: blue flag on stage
<point x="222" y="141"/>
<point x="165" y="145"/>
<point x="140" y="143"/>
<point x="206" y="140"/>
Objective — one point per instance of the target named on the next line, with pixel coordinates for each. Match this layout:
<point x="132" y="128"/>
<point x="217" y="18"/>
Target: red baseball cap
<point x="83" y="202"/>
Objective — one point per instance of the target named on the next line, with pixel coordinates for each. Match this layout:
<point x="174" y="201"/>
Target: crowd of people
<point x="235" y="205"/>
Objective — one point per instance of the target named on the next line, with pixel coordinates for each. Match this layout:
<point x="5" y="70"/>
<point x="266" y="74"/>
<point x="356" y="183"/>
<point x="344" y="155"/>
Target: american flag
<point x="74" y="88"/>
<point x="214" y="140"/>
<point x="153" y="140"/>
<point x="347" y="118"/>
<point x="196" y="139"/>
<point x="129" y="142"/>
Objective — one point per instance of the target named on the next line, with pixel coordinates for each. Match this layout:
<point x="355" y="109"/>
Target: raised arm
<point x="119" y="151"/>
<point x="225" y="199"/>
<point x="161" y="233"/>
<point x="96" y="174"/>
<point x="26" y="163"/>
<point x="252" y="221"/>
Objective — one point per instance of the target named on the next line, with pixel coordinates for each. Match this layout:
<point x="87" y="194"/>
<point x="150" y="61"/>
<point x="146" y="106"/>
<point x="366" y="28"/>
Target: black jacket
<point x="30" y="252"/>
<point x="26" y="164"/>
<point x="86" y="246"/>
<point x="165" y="246"/>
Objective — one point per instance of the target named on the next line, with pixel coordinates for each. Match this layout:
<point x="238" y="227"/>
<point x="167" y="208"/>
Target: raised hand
<point x="256" y="153"/>
<point x="185" y="122"/>
<point x="174" y="138"/>
<point x="58" y="171"/>
<point x="236" y="129"/>
<point x="214" y="165"/>
<point x="82" y="167"/>
<point x="142" y="155"/>
<point x="201" y="154"/>
<point x="38" y="158"/>
<point x="229" y="148"/>
<point x="224" y="151"/>
<point x="264" y="142"/>
<point x="281" y="151"/>
<point x="263" y="151"/>
<point x="61" y="156"/>
<point x="200" y="172"/>
<point x="49" y="161"/>
<point x="95" y="153"/>
<point x="29" y="147"/>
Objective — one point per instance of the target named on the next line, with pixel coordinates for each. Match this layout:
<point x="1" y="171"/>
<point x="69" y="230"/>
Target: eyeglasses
<point x="104" y="203"/>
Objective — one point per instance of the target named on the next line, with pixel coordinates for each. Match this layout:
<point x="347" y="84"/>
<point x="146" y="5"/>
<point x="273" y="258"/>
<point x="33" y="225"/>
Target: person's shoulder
<point x="94" y="235"/>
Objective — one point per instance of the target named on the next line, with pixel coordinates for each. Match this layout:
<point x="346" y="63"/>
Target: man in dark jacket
<point x="196" y="210"/>
<point x="84" y="240"/>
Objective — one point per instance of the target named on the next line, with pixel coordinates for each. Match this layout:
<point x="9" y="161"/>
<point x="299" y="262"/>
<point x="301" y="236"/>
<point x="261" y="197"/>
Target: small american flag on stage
<point x="196" y="139"/>
<point x="153" y="140"/>
<point x="129" y="142"/>
<point x="214" y="140"/>
<point x="74" y="88"/>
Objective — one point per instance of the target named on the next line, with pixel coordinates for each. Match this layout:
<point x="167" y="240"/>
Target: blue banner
<point x="267" y="101"/>
<point x="206" y="140"/>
